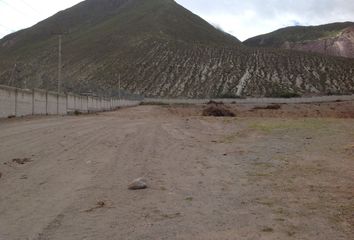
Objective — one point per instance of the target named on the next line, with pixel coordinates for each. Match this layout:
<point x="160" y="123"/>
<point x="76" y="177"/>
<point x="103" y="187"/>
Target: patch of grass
<point x="263" y="165"/>
<point x="252" y="174"/>
<point x="171" y="216"/>
<point x="265" y="202"/>
<point x="281" y="158"/>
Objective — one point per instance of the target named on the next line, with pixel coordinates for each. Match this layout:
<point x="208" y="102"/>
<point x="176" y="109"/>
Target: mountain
<point x="335" y="39"/>
<point x="159" y="49"/>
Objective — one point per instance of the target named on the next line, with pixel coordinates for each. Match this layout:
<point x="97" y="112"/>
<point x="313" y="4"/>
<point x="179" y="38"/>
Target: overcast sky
<point x="241" y="18"/>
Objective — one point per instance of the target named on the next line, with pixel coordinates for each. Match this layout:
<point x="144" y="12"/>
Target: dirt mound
<point x="268" y="107"/>
<point x="212" y="102"/>
<point x="218" y="111"/>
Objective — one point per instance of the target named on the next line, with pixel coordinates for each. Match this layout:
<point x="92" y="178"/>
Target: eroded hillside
<point x="158" y="48"/>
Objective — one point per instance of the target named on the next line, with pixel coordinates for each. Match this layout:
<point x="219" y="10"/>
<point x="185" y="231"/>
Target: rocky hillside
<point x="336" y="39"/>
<point x="160" y="49"/>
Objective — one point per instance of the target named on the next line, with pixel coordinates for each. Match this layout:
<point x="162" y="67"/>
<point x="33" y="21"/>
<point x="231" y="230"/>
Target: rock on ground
<point x="138" y="184"/>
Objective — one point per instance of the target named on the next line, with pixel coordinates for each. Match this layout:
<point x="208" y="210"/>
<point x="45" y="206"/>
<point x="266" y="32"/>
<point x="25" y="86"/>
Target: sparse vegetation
<point x="284" y="94"/>
<point x="211" y="102"/>
<point x="77" y="112"/>
<point x="189" y="199"/>
<point x="154" y="103"/>
<point x="230" y="96"/>
<point x="268" y="107"/>
<point x="267" y="229"/>
<point x="297" y="34"/>
<point x="21" y="161"/>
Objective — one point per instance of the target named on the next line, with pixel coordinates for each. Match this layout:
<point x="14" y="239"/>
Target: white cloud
<point x="248" y="18"/>
<point x="19" y="14"/>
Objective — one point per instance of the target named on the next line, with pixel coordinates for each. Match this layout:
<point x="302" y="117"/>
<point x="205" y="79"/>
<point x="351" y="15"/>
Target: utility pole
<point x="59" y="64"/>
<point x="12" y="75"/>
<point x="119" y="87"/>
<point x="59" y="72"/>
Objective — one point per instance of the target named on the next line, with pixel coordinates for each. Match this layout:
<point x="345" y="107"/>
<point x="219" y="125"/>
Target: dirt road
<point x="209" y="178"/>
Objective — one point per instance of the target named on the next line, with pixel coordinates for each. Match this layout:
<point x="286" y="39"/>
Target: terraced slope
<point x="200" y="71"/>
<point x="160" y="49"/>
<point x="336" y="39"/>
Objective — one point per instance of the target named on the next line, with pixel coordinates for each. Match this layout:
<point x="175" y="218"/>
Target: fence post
<point x="75" y="102"/>
<point x="67" y="103"/>
<point x="16" y="94"/>
<point x="33" y="101"/>
<point x="46" y="102"/>
<point x="58" y="103"/>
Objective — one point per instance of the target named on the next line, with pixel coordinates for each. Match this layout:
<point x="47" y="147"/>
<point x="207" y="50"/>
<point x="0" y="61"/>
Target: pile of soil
<point x="212" y="102"/>
<point x="268" y="107"/>
<point x="218" y="110"/>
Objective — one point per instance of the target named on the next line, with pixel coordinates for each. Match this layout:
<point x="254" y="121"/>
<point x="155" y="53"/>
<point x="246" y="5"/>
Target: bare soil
<point x="266" y="174"/>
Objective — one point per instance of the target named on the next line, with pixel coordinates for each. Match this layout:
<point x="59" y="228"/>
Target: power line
<point x="14" y="8"/>
<point x="9" y="29"/>
<point x="28" y="5"/>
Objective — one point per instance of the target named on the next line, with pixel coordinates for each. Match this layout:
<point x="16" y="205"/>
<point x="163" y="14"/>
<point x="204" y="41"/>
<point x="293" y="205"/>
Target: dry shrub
<point x="218" y="111"/>
<point x="269" y="107"/>
<point x="21" y="161"/>
<point x="212" y="102"/>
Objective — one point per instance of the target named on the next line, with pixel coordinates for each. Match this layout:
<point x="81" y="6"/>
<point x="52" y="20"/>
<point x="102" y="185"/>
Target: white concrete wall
<point x="40" y="102"/>
<point x="85" y="104"/>
<point x="93" y="105"/>
<point x="52" y="103"/>
<point x="22" y="102"/>
<point x="62" y="105"/>
<point x="71" y="102"/>
<point x="8" y="101"/>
